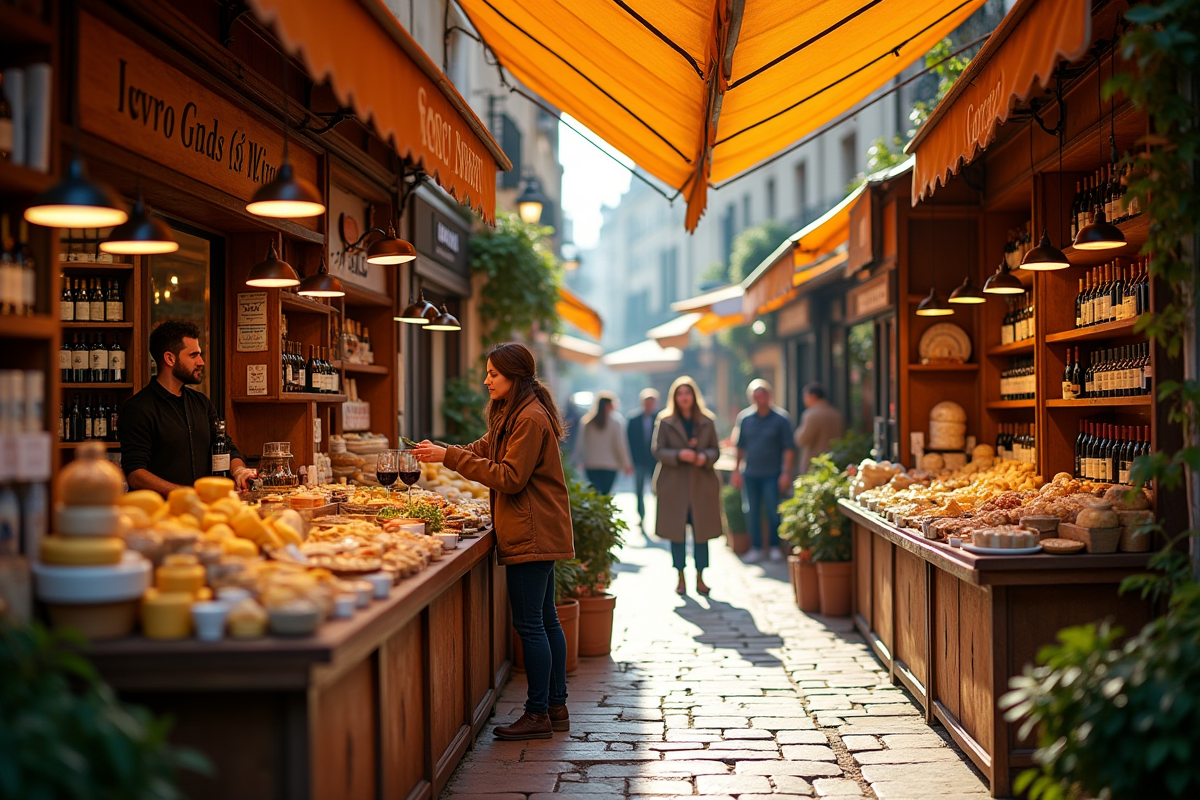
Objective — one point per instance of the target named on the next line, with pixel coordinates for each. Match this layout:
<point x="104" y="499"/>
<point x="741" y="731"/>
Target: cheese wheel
<point x="166" y="615"/>
<point x="213" y="489"/>
<point x="182" y="500"/>
<point x="82" y="551"/>
<point x="248" y="525"/>
<point x="239" y="547"/>
<point x="144" y="499"/>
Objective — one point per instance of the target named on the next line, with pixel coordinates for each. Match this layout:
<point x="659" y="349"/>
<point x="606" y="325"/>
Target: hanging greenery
<point x="523" y="278"/>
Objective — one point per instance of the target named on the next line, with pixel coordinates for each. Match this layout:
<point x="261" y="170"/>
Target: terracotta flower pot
<point x="834" y="580"/>
<point x="740" y="542"/>
<point x="596" y="624"/>
<point x="568" y="617"/>
<point x="808" y="593"/>
<point x="793" y="563"/>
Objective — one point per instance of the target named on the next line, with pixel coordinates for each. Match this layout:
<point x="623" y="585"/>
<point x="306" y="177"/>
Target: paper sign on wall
<point x="256" y="379"/>
<point x="252" y="322"/>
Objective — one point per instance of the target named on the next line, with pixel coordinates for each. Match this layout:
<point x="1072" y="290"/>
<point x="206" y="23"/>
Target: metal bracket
<point x="1060" y="127"/>
<point x="332" y="120"/>
<point x="231" y="12"/>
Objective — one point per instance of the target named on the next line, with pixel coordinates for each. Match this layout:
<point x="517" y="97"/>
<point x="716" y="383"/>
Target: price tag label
<point x="8" y="457"/>
<point x="33" y="456"/>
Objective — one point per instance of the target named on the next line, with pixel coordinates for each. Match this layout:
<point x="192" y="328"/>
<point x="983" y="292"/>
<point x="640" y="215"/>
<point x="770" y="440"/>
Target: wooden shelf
<point x="294" y="302"/>
<point x="1000" y="405"/>
<point x="294" y="397"/>
<point x="73" y="445"/>
<point x="99" y="387"/>
<point x="1105" y="330"/>
<point x="369" y="369"/>
<point x="1014" y="349"/>
<point x="38" y="326"/>
<point x="1136" y="230"/>
<point x="1138" y="400"/>
<point x="943" y="367"/>
<point x="22" y="180"/>
<point x="104" y="325"/>
<point x="93" y="265"/>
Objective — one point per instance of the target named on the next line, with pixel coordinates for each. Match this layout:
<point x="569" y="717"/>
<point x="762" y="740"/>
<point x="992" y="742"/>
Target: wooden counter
<point x="382" y="704"/>
<point x="953" y="627"/>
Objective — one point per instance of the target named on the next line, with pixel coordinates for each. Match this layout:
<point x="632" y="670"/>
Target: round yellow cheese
<point x="213" y="489"/>
<point x="166" y="615"/>
<point x="82" y="551"/>
<point x="144" y="499"/>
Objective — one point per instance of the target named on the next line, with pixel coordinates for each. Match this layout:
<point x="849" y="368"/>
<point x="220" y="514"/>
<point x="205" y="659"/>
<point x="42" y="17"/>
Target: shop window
<point x="179" y="289"/>
<point x="771" y="209"/>
<point x="849" y="159"/>
<point x="860" y="376"/>
<point x="510" y="143"/>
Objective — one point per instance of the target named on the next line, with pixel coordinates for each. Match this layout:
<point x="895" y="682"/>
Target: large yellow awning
<point x="579" y="313"/>
<point x="699" y="90"/>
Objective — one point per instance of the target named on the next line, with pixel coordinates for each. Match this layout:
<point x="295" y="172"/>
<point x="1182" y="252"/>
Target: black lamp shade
<point x="417" y="312"/>
<point x="1045" y="257"/>
<point x="531" y="202"/>
<point x="391" y="250"/>
<point x="287" y="196"/>
<point x="444" y="321"/>
<point x="77" y="202"/>
<point x="1003" y="282"/>
<point x="272" y="272"/>
<point x="934" y="306"/>
<point x="321" y="285"/>
<point x="967" y="294"/>
<point x="140" y="235"/>
<point x="1100" y="234"/>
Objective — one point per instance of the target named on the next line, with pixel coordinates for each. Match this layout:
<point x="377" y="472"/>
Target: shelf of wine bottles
<point x="1112" y="293"/>
<point x="1018" y="382"/>
<point x="1105" y="452"/>
<point x="1126" y="371"/>
<point x="1107" y="189"/>
<point x="88" y="418"/>
<point x="1018" y="323"/>
<point x="91" y="300"/>
<point x="314" y="375"/>
<point x="18" y="272"/>
<point x="1017" y="442"/>
<point x="91" y="358"/>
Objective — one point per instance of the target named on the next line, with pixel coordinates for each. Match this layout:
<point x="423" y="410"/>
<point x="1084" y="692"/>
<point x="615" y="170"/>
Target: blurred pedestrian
<point x="518" y="460"/>
<point x="639" y="429"/>
<point x="570" y="425"/>
<point x="688" y="490"/>
<point x="765" y="452"/>
<point x="601" y="447"/>
<point x="820" y="424"/>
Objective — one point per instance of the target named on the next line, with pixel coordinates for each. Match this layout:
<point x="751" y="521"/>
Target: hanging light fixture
<point x="272" y="272"/>
<point x="286" y="196"/>
<point x="531" y="202"/>
<point x="570" y="256"/>
<point x="391" y="249"/>
<point x="933" y="305"/>
<point x="141" y="235"/>
<point x="1046" y="257"/>
<point x="76" y="202"/>
<point x="1003" y="282"/>
<point x="968" y="293"/>
<point x="1101" y="234"/>
<point x="417" y="312"/>
<point x="444" y="321"/>
<point x="322" y="284"/>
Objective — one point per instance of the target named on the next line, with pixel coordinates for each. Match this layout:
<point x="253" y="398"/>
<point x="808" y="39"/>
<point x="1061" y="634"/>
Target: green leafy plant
<point x="810" y="520"/>
<point x="63" y="733"/>
<point x="598" y="529"/>
<point x="731" y="509"/>
<point x="523" y="277"/>
<point x="947" y="69"/>
<point x="463" y="404"/>
<point x="432" y="515"/>
<point x="852" y="448"/>
<point x="568" y="575"/>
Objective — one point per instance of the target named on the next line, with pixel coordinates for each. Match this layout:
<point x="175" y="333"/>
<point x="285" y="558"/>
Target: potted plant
<point x="567" y="575"/>
<point x="794" y="529"/>
<point x="827" y="533"/>
<point x="735" y="519"/>
<point x="597" y="526"/>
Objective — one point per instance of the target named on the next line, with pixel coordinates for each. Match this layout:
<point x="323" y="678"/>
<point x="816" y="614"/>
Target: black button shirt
<point x="169" y="436"/>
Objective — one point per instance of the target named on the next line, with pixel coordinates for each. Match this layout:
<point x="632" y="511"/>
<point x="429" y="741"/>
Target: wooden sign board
<point x="871" y="298"/>
<point x="794" y="318"/>
<point x="862" y="233"/>
<point x="131" y="98"/>
<point x="348" y="217"/>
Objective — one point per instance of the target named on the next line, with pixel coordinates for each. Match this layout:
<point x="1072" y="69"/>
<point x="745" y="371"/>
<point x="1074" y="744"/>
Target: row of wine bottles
<point x="1105" y="452"/>
<point x="96" y="418"/>
<point x="18" y="277"/>
<point x="95" y="304"/>
<point x="90" y="359"/>
<point x="1111" y="293"/>
<point x="1018" y="382"/>
<point x="1126" y="371"/>
<point x="1017" y="442"/>
<point x="1106" y="189"/>
<point x="314" y="374"/>
<point x="1018" y="323"/>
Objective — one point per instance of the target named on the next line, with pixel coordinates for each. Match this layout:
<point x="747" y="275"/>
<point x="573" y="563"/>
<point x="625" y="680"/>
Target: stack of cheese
<point x="948" y="428"/>
<point x="85" y="575"/>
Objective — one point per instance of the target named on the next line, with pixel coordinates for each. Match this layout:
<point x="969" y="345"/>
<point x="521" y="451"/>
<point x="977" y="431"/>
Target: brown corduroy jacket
<point x="531" y="509"/>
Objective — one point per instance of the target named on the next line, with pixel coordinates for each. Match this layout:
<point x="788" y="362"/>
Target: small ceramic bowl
<point x="208" y="619"/>
<point x="233" y="595"/>
<point x="449" y="540"/>
<point x="363" y="591"/>
<point x="297" y="619"/>
<point x="382" y="582"/>
<point x="343" y="605"/>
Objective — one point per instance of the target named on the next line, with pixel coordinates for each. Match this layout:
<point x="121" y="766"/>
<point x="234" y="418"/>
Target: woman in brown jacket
<point x="688" y="490"/>
<point x="518" y="460"/>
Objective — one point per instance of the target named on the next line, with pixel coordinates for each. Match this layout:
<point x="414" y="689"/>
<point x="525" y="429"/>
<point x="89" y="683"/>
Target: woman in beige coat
<point x="689" y="493"/>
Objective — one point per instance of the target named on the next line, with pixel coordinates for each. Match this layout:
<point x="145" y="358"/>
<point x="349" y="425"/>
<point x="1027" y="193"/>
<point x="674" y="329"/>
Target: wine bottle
<point x="1068" y="389"/>
<point x="113" y="419"/>
<point x="114" y="302"/>
<point x="96" y="298"/>
<point x="100" y="421"/>
<point x="64" y="361"/>
<point x="1079" y="449"/>
<point x="116" y="361"/>
<point x="80" y="357"/>
<point x="87" y="418"/>
<point x="99" y="360"/>
<point x="221" y="450"/>
<point x="66" y="302"/>
<point x="83" y="305"/>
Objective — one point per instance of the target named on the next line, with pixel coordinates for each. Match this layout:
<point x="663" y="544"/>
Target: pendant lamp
<point x="140" y="235"/>
<point x="967" y="294"/>
<point x="531" y="201"/>
<point x="391" y="249"/>
<point x="286" y="195"/>
<point x="1100" y="234"/>
<point x="321" y="284"/>
<point x="76" y="202"/>
<point x="444" y="321"/>
<point x="933" y="305"/>
<point x="272" y="272"/>
<point x="1003" y="282"/>
<point x="416" y="312"/>
<point x="1046" y="257"/>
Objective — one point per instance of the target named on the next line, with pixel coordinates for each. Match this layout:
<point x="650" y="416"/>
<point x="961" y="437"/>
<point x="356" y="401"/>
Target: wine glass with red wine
<point x="410" y="469"/>
<point x="387" y="468"/>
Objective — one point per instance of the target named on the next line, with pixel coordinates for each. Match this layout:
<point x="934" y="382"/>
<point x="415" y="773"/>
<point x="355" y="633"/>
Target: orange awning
<point x="1017" y="59"/>
<point x="699" y="90"/>
<point x="377" y="69"/>
<point x="579" y="351"/>
<point x="579" y="313"/>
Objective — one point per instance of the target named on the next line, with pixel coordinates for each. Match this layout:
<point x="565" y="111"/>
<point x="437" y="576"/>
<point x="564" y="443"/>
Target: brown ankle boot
<point x="529" y="726"/>
<point x="560" y="718"/>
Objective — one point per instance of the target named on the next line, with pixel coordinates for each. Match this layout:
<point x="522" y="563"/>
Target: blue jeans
<point x="602" y="479"/>
<point x="761" y="494"/>
<point x="699" y="554"/>
<point x="531" y="594"/>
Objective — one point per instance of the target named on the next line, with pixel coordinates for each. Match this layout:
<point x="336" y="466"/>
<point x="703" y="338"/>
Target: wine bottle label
<point x="220" y="462"/>
<point x="116" y="359"/>
<point x="97" y="311"/>
<point x="87" y="428"/>
<point x="83" y="312"/>
<point x="64" y="359"/>
<point x="1068" y="392"/>
<point x="66" y="311"/>
<point x="100" y="428"/>
<point x="99" y="359"/>
<point x="114" y="311"/>
<point x="79" y="359"/>
<point x="1123" y="477"/>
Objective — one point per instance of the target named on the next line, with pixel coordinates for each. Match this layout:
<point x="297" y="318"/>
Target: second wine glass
<point x="410" y="469"/>
<point x="387" y="468"/>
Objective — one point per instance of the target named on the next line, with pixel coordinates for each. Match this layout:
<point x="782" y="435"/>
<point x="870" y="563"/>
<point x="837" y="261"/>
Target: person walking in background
<point x="763" y="437"/>
<point x="820" y="424"/>
<point x="639" y="429"/>
<point x="686" y="447"/>
<point x="518" y="460"/>
<point x="601" y="447"/>
<point x="570" y="426"/>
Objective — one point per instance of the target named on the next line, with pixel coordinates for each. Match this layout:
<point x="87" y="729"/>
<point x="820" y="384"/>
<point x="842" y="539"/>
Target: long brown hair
<point x="599" y="413"/>
<point x="515" y="362"/>
<point x="673" y="410"/>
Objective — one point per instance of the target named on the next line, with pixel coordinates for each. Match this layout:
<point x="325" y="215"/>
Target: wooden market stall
<point x="953" y="627"/>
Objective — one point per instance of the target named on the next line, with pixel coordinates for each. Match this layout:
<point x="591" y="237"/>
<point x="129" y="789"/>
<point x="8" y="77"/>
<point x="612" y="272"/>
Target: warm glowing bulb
<point x="284" y="209"/>
<point x="75" y="216"/>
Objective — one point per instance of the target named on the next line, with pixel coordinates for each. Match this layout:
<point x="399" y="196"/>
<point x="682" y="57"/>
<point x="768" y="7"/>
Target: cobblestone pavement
<point x="735" y="696"/>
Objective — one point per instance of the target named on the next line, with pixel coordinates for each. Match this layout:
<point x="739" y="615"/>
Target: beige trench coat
<point x="681" y="486"/>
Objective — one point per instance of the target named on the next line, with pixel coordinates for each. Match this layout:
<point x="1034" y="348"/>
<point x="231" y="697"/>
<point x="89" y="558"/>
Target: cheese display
<point x="947" y="427"/>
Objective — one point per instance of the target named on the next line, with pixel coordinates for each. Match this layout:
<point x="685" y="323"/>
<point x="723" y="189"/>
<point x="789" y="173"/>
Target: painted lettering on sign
<point x="980" y="118"/>
<point x="448" y="145"/>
